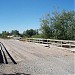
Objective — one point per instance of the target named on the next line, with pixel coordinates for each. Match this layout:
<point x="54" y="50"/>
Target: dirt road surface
<point x="36" y="59"/>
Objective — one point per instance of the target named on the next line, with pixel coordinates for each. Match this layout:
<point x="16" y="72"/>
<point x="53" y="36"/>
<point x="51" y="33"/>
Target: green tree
<point x="64" y="25"/>
<point x="46" y="27"/>
<point x="5" y="34"/>
<point x="15" y="32"/>
<point x="29" y="33"/>
<point x="59" y="26"/>
<point x="0" y="35"/>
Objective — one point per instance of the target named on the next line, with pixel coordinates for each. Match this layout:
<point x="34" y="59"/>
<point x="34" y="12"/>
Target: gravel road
<point x="36" y="59"/>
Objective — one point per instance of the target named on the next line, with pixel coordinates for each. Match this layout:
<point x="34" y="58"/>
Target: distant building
<point x="10" y="36"/>
<point x="17" y="38"/>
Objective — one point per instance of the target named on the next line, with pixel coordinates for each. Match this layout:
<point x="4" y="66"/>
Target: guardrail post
<point x="69" y="45"/>
<point x="61" y="43"/>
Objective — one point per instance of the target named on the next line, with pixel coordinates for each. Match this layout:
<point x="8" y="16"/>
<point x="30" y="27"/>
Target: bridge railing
<point x="59" y="43"/>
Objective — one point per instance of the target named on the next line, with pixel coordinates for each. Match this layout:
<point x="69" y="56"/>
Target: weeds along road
<point x="36" y="59"/>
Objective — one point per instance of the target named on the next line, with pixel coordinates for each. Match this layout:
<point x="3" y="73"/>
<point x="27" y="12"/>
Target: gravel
<point x="36" y="59"/>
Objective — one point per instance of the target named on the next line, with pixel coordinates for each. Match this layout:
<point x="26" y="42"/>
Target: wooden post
<point x="61" y="43"/>
<point x="70" y="44"/>
<point x="48" y="43"/>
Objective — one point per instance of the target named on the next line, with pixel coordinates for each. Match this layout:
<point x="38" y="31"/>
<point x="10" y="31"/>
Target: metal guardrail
<point x="3" y="53"/>
<point x="59" y="43"/>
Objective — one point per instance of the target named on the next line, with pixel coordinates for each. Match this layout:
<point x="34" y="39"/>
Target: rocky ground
<point x="36" y="59"/>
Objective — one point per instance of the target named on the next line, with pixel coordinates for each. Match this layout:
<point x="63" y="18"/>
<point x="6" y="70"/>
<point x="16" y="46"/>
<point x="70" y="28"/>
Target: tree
<point x="15" y="32"/>
<point x="0" y="35"/>
<point x="5" y="34"/>
<point x="64" y="25"/>
<point x="46" y="27"/>
<point x="59" y="26"/>
<point x="29" y="33"/>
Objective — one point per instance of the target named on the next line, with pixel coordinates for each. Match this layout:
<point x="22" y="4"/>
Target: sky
<point x="25" y="14"/>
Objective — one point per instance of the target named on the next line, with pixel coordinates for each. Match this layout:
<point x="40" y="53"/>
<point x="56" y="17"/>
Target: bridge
<point x="31" y="58"/>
